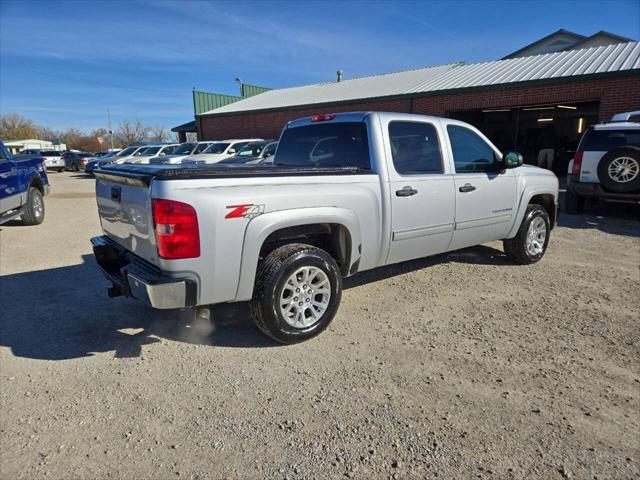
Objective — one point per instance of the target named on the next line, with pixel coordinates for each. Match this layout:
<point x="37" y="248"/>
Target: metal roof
<point x="571" y="63"/>
<point x="374" y="86"/>
<point x="605" y="59"/>
<point x="206" y="101"/>
<point x="249" y="90"/>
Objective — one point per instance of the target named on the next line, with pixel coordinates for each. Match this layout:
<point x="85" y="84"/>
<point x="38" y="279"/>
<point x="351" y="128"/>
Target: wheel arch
<point x="333" y="229"/>
<point x="36" y="182"/>
<point x="539" y="195"/>
<point x="547" y="201"/>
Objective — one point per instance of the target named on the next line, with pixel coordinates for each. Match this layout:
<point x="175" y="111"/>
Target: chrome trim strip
<point x="422" y="231"/>
<point x="481" y="222"/>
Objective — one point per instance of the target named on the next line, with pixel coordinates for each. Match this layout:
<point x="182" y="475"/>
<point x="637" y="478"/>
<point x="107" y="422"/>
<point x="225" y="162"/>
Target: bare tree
<point x="129" y="132"/>
<point x="192" y="137"/>
<point x="16" y="127"/>
<point x="159" y="133"/>
<point x="47" y="133"/>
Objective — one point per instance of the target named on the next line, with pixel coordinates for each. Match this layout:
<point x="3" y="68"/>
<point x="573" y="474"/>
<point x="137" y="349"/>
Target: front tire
<point x="297" y="293"/>
<point x="530" y="243"/>
<point x="34" y="210"/>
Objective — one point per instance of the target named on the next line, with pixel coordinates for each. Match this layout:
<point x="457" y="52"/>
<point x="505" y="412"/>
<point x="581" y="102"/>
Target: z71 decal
<point x="248" y="210"/>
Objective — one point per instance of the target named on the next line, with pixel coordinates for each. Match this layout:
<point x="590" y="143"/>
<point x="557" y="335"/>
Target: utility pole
<point x="110" y="131"/>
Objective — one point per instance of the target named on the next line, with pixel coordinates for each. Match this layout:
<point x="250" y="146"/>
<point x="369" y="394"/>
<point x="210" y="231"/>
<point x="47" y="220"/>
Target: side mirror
<point x="232" y="151"/>
<point x="511" y="160"/>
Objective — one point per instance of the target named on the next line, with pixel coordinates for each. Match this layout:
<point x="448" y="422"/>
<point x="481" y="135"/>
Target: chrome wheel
<point x="305" y="297"/>
<point x="623" y="169"/>
<point x="536" y="236"/>
<point x="38" y="206"/>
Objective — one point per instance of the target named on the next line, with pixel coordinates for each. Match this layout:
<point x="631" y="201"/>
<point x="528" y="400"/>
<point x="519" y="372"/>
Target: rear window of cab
<point x="325" y="145"/>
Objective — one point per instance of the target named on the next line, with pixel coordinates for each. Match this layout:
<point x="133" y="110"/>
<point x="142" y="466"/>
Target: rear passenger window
<point x="605" y="140"/>
<point x="415" y="148"/>
<point x="470" y="152"/>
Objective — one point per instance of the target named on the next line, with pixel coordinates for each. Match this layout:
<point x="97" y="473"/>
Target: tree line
<point x="17" y="127"/>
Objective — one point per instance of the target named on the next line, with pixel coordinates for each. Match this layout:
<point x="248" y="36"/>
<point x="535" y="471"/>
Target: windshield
<point x="147" y="151"/>
<point x="216" y="148"/>
<point x="270" y="149"/>
<point x="184" y="149"/>
<point x="251" y="150"/>
<point x="126" y="152"/>
<point x="201" y="147"/>
<point x="51" y="153"/>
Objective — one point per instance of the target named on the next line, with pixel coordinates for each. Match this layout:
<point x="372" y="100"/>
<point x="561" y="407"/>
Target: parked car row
<point x="56" y="160"/>
<point x="231" y="151"/>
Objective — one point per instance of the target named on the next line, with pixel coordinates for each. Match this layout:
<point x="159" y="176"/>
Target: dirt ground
<point x="458" y="366"/>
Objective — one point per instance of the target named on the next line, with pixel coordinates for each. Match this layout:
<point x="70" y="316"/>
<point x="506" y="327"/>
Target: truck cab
<point x="23" y="185"/>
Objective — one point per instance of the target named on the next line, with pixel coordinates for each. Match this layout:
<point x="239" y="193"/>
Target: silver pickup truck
<point x="346" y="193"/>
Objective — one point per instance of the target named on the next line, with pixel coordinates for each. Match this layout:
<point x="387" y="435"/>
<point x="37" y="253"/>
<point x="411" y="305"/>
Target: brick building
<point x="521" y="103"/>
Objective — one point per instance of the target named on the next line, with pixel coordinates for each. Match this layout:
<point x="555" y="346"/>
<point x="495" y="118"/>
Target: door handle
<point x="115" y="193"/>
<point x="467" y="187"/>
<point x="406" y="192"/>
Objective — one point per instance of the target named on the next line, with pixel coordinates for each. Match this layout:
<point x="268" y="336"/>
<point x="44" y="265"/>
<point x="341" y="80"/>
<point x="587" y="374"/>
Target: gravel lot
<point x="458" y="366"/>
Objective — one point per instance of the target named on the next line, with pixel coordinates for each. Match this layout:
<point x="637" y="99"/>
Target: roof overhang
<point x="185" y="127"/>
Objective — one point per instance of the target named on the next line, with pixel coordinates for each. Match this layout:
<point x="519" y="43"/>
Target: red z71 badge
<point x="248" y="210"/>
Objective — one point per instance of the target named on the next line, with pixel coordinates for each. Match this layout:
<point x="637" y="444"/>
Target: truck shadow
<point x="478" y="255"/>
<point x="64" y="313"/>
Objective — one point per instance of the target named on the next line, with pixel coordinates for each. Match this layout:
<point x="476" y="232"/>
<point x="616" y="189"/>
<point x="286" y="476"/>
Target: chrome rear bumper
<point x="133" y="277"/>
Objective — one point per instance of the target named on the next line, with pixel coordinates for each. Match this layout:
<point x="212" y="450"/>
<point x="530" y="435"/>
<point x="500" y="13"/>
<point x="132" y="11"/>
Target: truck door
<point x="422" y="195"/>
<point x="9" y="182"/>
<point x="485" y="197"/>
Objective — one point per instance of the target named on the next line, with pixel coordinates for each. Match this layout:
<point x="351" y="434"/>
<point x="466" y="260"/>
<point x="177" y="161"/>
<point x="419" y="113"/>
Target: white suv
<point x="606" y="164"/>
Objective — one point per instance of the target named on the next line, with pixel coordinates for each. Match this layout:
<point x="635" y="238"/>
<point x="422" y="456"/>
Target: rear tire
<point x="573" y="204"/>
<point x="619" y="170"/>
<point x="297" y="293"/>
<point x="74" y="167"/>
<point x="530" y="243"/>
<point x="34" y="210"/>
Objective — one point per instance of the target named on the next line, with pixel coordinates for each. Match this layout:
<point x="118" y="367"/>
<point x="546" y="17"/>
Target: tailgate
<point x="124" y="206"/>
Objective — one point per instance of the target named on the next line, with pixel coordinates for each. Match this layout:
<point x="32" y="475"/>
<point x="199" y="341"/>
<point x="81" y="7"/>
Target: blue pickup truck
<point x="23" y="185"/>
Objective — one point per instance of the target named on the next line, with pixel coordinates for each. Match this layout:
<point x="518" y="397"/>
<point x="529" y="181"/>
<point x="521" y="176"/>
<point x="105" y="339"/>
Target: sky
<point x="64" y="64"/>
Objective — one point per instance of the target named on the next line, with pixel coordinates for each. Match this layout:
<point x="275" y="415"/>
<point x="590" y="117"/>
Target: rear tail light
<point x="177" y="232"/>
<point x="577" y="164"/>
<point x="323" y="118"/>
